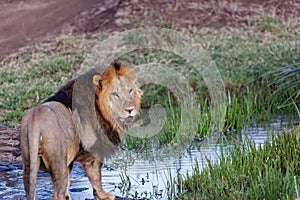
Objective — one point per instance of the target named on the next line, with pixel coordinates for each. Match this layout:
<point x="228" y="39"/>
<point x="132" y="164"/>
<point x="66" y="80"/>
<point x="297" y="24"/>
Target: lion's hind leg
<point x="60" y="171"/>
<point x="26" y="171"/>
<point x="60" y="181"/>
<point x="68" y="196"/>
<point x="54" y="148"/>
<point x="29" y="178"/>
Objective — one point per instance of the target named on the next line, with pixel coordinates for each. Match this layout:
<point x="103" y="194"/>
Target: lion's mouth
<point x="127" y="120"/>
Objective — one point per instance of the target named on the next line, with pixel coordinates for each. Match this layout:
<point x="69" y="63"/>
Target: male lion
<point x="83" y="121"/>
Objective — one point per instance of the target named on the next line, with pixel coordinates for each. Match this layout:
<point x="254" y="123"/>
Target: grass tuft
<point x="250" y="172"/>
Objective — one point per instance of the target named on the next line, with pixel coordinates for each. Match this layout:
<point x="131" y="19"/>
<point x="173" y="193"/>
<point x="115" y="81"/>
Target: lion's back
<point x="52" y="124"/>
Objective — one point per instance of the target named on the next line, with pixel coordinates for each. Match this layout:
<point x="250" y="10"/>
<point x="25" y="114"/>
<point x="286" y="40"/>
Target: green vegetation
<point x="246" y="61"/>
<point x="243" y="57"/>
<point x="270" y="171"/>
<point x="32" y="84"/>
<point x="250" y="62"/>
<point x="288" y="82"/>
<point x="28" y="81"/>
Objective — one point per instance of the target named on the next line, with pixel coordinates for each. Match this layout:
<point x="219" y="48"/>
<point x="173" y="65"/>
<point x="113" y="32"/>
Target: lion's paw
<point x="105" y="196"/>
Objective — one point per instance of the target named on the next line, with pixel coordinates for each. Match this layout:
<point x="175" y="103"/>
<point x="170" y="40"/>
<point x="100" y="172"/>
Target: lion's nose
<point x="129" y="110"/>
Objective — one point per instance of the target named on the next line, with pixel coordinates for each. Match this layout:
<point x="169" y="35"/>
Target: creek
<point x="142" y="178"/>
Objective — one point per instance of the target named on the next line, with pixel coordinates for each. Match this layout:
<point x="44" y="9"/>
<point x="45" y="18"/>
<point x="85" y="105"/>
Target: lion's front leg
<point x="93" y="171"/>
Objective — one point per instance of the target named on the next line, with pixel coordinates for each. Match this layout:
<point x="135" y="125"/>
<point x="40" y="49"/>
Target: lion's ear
<point x="117" y="65"/>
<point x="97" y="81"/>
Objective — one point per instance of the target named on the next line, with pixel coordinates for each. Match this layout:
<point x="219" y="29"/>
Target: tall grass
<point x="288" y="83"/>
<point x="32" y="84"/>
<point x="242" y="57"/>
<point x="269" y="171"/>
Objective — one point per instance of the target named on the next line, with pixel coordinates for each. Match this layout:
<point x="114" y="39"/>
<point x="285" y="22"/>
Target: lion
<point x="84" y="121"/>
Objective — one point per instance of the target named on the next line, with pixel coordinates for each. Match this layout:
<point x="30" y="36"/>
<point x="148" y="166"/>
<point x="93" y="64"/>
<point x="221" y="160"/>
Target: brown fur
<point x="59" y="131"/>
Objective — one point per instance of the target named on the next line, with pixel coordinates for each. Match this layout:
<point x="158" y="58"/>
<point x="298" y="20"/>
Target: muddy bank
<point x="9" y="146"/>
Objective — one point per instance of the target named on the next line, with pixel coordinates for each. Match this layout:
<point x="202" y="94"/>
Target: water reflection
<point x="144" y="178"/>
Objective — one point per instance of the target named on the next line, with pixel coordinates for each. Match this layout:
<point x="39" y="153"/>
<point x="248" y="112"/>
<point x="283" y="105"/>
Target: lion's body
<point x="49" y="130"/>
<point x="50" y="138"/>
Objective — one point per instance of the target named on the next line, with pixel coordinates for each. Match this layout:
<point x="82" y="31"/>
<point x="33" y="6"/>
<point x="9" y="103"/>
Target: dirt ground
<point x="23" y="22"/>
<point x="32" y="21"/>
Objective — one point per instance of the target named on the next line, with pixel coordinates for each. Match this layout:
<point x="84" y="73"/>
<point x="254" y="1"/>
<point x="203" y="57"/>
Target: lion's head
<point x="117" y="96"/>
<point x="105" y="102"/>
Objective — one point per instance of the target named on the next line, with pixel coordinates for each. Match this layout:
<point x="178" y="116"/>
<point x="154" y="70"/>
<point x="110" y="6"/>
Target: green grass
<point x="246" y="59"/>
<point x="242" y="56"/>
<point x="32" y="84"/>
<point x="30" y="79"/>
<point x="288" y="82"/>
<point x="270" y="171"/>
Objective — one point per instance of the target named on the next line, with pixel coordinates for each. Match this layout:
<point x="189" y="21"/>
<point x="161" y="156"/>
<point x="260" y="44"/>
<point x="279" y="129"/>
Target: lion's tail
<point x="34" y="138"/>
<point x="33" y="133"/>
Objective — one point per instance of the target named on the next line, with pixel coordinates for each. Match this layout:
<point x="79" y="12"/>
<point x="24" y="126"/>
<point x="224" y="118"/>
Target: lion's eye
<point x="115" y="95"/>
<point x="130" y="91"/>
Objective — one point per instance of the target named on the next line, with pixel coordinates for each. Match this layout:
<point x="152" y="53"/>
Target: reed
<point x="248" y="171"/>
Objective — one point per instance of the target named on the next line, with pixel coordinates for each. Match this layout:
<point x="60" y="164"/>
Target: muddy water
<point x="142" y="179"/>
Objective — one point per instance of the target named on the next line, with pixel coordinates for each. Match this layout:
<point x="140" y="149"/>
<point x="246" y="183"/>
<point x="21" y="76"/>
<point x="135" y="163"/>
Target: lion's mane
<point x="99" y="132"/>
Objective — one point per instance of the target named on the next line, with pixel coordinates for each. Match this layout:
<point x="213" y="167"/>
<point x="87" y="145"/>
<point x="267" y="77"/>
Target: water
<point x="143" y="179"/>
